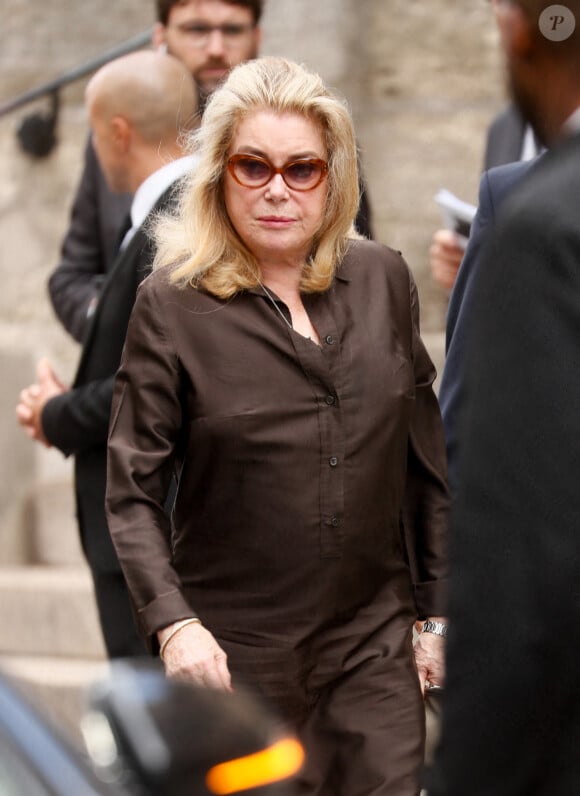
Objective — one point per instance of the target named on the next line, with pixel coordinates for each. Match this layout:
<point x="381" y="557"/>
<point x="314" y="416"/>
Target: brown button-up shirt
<point x="296" y="462"/>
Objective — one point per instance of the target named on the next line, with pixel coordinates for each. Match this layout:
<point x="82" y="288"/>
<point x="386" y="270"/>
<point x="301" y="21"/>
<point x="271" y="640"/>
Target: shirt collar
<point x="530" y="145"/>
<point x="343" y="272"/>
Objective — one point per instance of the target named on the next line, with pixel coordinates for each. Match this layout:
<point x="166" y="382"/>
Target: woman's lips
<point x="276" y="221"/>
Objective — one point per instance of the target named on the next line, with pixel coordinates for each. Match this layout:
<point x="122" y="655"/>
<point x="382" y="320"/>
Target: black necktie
<point x="125" y="227"/>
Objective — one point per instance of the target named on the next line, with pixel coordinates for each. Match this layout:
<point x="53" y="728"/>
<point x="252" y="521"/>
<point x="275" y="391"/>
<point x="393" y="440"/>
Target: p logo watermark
<point x="557" y="23"/>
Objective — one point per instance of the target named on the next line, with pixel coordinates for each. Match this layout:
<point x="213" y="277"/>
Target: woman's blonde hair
<point x="199" y="242"/>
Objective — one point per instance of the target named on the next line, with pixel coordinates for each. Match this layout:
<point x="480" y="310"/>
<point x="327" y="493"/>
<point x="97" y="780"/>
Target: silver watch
<point x="435" y="627"/>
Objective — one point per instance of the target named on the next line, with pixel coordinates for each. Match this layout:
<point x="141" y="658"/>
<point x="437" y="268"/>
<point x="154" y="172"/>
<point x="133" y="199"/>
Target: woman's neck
<point x="283" y="279"/>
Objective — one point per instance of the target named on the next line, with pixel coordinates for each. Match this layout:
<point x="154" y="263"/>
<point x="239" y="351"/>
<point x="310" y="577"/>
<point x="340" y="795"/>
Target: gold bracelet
<point x="176" y="628"/>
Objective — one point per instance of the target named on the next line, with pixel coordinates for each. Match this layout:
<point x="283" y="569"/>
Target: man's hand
<point x="33" y="399"/>
<point x="193" y="654"/>
<point x="430" y="657"/>
<point x="445" y="255"/>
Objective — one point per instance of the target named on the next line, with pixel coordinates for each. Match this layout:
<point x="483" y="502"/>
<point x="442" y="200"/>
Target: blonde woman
<point x="274" y="363"/>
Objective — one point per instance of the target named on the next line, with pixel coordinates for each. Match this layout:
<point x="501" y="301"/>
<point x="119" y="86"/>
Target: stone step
<point x="49" y="523"/>
<point x="49" y="611"/>
<point x="38" y="520"/>
<point x="57" y="687"/>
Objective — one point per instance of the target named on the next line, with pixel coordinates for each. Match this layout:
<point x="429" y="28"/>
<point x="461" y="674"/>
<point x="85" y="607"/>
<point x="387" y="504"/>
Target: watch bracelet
<point x="437" y="628"/>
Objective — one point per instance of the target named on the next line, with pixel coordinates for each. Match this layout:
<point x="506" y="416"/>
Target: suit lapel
<point x="130" y="264"/>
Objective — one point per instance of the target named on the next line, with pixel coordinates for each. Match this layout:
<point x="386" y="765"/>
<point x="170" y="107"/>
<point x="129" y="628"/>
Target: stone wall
<point x="423" y="80"/>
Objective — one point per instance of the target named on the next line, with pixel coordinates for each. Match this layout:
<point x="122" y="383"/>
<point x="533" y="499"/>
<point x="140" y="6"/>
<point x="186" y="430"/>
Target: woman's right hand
<point x="194" y="655"/>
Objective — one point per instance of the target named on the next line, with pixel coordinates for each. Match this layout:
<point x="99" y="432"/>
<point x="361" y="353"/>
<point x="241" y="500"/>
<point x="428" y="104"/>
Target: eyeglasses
<point x="197" y="34"/>
<point x="253" y="171"/>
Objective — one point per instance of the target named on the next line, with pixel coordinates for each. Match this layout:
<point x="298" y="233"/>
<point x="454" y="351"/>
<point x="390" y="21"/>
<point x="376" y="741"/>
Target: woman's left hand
<point x="430" y="659"/>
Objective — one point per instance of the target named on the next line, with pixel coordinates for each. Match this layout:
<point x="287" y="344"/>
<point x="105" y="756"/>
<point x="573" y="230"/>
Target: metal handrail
<point x="46" y="89"/>
<point x="37" y="132"/>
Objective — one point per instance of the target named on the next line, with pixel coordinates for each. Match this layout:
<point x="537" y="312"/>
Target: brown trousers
<point x="356" y="707"/>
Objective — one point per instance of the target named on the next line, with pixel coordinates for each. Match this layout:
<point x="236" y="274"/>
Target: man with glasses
<point x="209" y="36"/>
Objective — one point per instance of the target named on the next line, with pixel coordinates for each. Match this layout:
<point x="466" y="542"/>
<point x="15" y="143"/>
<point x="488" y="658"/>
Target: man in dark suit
<point x="511" y="718"/>
<point x="139" y="146"/>
<point x="509" y="139"/>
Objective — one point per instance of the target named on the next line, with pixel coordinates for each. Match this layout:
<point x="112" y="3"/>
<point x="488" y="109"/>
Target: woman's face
<point x="277" y="223"/>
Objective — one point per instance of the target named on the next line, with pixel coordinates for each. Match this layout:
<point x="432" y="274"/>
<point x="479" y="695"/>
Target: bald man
<point x="140" y="107"/>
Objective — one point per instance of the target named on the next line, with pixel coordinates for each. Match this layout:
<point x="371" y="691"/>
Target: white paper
<point x="457" y="214"/>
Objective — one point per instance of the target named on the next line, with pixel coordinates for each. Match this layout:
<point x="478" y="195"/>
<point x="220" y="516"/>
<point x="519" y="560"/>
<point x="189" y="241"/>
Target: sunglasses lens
<point x="302" y="174"/>
<point x="251" y="171"/>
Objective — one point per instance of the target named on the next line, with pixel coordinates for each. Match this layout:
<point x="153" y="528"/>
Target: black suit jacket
<point x="505" y="138"/>
<point x="511" y="723"/>
<point x="77" y="422"/>
<point x="89" y="247"/>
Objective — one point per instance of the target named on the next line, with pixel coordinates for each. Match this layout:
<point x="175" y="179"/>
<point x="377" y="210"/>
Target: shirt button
<point x="334" y="521"/>
<point x="333" y="461"/>
<point x="329" y="339"/>
<point x="330" y="400"/>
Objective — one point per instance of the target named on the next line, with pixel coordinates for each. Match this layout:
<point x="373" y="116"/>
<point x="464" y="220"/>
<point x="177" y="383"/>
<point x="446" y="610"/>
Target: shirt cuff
<point x="161" y="612"/>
